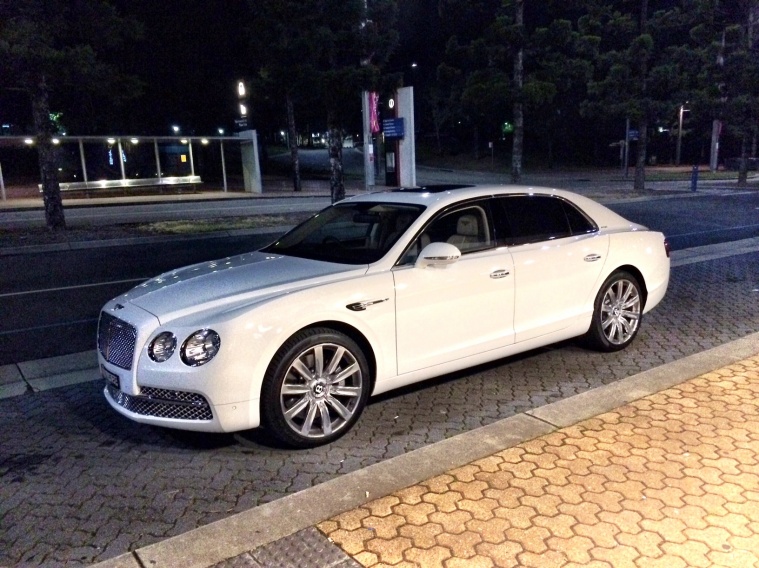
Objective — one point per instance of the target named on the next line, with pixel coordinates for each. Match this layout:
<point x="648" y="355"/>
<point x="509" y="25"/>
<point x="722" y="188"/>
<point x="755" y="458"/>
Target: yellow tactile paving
<point x="670" y="480"/>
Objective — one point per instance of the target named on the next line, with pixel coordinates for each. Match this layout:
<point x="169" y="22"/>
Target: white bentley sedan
<point x="373" y="293"/>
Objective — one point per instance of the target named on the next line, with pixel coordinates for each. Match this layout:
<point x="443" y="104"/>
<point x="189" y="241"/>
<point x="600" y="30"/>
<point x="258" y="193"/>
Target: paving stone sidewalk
<point x="670" y="480"/>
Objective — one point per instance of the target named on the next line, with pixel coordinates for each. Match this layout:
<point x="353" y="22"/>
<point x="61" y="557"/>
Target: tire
<point x="617" y="313"/>
<point x="315" y="388"/>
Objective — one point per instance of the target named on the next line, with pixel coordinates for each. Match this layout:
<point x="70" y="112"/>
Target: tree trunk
<point x="293" y="139"/>
<point x="51" y="189"/>
<point x="518" y="140"/>
<point x="336" y="181"/>
<point x="743" y="169"/>
<point x="640" y="163"/>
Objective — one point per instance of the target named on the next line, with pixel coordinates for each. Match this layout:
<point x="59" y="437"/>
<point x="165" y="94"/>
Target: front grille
<point x="163" y="403"/>
<point x="116" y="340"/>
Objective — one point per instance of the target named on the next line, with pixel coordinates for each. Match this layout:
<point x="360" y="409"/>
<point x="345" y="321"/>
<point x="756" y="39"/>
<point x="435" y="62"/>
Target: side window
<point x="467" y="228"/>
<point x="522" y="219"/>
<point x="578" y="222"/>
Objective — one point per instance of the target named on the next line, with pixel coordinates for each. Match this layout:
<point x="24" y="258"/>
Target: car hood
<point x="243" y="278"/>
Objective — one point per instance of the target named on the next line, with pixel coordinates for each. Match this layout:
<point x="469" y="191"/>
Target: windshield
<point x="348" y="233"/>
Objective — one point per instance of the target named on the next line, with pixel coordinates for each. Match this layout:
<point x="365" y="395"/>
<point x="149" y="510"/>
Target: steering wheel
<point x="330" y="239"/>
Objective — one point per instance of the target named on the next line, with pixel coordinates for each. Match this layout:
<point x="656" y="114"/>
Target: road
<point x="50" y="307"/>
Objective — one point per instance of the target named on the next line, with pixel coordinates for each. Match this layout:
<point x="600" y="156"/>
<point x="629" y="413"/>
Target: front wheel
<point x="315" y="388"/>
<point x="616" y="313"/>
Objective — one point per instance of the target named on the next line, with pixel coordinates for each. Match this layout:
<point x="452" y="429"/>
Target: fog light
<point x="162" y="347"/>
<point x="200" y="347"/>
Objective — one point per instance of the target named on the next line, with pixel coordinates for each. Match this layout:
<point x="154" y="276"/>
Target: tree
<point x="514" y="70"/>
<point x="725" y="38"/>
<point x="50" y="48"/>
<point x="473" y="88"/>
<point x="518" y="140"/>
<point x="320" y="54"/>
<point x="635" y="76"/>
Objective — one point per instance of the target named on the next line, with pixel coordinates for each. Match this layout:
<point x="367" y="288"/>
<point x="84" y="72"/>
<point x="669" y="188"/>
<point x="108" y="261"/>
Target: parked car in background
<point x="376" y="292"/>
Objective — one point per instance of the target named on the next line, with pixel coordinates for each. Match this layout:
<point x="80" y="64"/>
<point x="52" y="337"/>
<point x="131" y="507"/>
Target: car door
<point x="558" y="258"/>
<point x="445" y="313"/>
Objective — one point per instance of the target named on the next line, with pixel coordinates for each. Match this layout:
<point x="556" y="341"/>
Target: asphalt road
<point x="50" y="301"/>
<point x="698" y="220"/>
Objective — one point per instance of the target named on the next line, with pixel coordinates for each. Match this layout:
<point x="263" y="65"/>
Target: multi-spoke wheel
<point x="315" y="388"/>
<point x="617" y="313"/>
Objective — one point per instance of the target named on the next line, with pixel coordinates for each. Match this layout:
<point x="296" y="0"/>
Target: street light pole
<point x="680" y="134"/>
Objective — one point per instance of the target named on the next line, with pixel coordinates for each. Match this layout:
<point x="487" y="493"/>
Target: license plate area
<point x="111" y="378"/>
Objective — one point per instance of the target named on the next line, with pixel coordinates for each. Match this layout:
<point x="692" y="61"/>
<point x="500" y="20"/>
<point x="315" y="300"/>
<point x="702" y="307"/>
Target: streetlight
<point x="175" y="128"/>
<point x="680" y="133"/>
<point x="221" y="132"/>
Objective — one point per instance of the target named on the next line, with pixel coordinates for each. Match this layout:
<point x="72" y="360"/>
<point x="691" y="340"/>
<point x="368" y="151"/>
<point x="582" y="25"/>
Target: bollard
<point x="694" y="179"/>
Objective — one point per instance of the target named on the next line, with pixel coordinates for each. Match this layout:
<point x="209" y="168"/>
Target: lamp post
<point x="680" y="133"/>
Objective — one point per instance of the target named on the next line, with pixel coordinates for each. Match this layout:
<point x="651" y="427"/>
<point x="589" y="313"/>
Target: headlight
<point x="200" y="347"/>
<point x="162" y="347"/>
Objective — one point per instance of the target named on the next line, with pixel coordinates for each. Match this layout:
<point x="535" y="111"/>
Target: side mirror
<point x="438" y="254"/>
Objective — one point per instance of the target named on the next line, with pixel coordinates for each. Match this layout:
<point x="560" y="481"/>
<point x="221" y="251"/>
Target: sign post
<point x="371" y="126"/>
<point x="2" y="184"/>
<point x="407" y="144"/>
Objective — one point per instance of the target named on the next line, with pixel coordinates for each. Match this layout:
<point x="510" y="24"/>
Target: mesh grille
<point x="116" y="340"/>
<point x="163" y="403"/>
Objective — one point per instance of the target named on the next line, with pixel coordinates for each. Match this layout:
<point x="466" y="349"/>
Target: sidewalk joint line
<point x="544" y="421"/>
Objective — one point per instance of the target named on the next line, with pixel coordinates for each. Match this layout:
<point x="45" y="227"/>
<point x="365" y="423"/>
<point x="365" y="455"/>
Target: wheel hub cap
<point x="621" y="312"/>
<point x="322" y="390"/>
<point x="319" y="389"/>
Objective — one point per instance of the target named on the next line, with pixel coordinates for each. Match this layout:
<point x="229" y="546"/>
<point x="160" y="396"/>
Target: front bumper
<point x="182" y="410"/>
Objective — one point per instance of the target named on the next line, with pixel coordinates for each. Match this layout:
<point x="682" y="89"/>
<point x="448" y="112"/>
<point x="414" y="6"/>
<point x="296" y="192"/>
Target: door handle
<point x="592" y="257"/>
<point x="499" y="274"/>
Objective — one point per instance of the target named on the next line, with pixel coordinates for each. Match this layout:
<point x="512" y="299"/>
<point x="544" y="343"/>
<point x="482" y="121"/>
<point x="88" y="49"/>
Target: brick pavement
<point x="670" y="480"/>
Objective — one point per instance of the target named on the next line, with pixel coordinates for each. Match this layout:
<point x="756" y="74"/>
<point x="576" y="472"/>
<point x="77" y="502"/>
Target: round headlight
<point x="162" y="347"/>
<point x="200" y="347"/>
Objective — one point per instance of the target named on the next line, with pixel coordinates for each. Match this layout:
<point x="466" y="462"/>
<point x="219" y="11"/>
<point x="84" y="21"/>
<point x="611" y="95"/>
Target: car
<point x="375" y="292"/>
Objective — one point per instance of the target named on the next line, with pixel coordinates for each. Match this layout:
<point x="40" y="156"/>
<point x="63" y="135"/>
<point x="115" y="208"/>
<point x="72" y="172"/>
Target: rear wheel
<point x="315" y="388"/>
<point x="617" y="313"/>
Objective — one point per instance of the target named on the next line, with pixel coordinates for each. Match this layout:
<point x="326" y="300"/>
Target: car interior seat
<point x="467" y="233"/>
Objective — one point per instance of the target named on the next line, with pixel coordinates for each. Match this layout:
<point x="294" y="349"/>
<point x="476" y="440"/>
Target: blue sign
<point x="633" y="135"/>
<point x="393" y="127"/>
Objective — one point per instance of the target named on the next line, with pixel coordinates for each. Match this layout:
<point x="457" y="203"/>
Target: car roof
<point x="445" y="194"/>
<point x="437" y="197"/>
